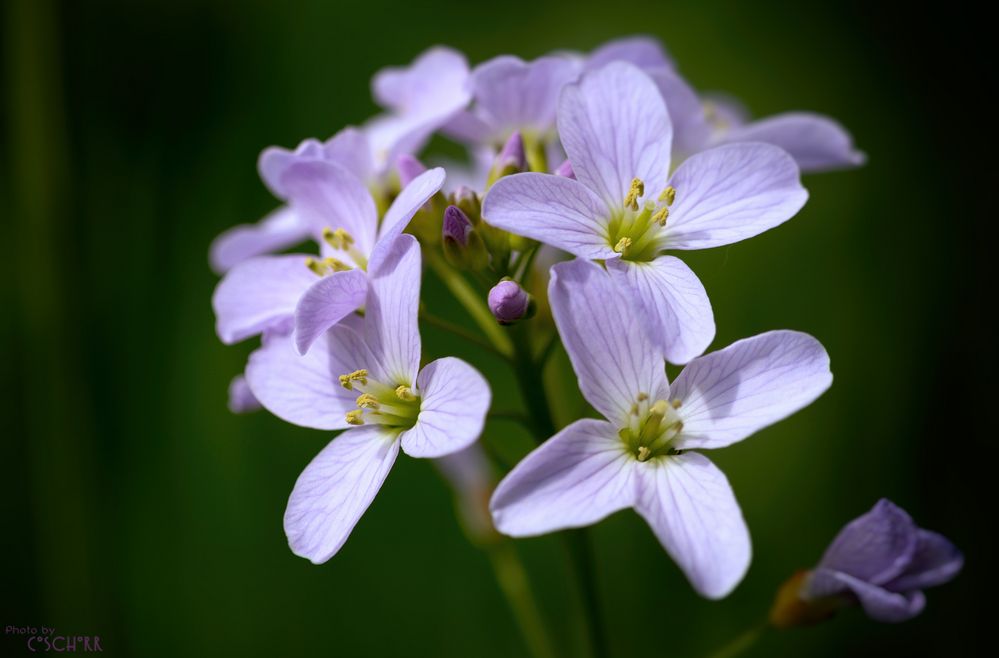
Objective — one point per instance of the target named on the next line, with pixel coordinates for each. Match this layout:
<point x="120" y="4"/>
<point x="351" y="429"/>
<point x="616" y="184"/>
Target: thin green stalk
<point x="512" y="579"/>
<point x="532" y="387"/>
<point x="741" y="642"/>
<point x="473" y="302"/>
<point x="460" y="331"/>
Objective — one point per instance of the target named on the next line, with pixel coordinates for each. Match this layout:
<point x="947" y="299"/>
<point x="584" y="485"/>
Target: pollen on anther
<point x="636" y="190"/>
<point x="643" y="453"/>
<point x="676" y="403"/>
<point x="317" y="268"/>
<point x="660" y="216"/>
<point x="353" y="417"/>
<point x="367" y="401"/>
<point x="668" y="195"/>
<point x="622" y="245"/>
<point x="404" y="393"/>
<point x="336" y="265"/>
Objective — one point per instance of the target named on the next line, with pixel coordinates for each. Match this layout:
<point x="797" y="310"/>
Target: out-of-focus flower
<point x="509" y="303"/>
<point x="617" y="134"/>
<point x="364" y="374"/>
<point x="880" y="560"/>
<point x="471" y="478"/>
<point x="241" y="398"/>
<point x="816" y="142"/>
<point x="642" y="455"/>
<point x="509" y="94"/>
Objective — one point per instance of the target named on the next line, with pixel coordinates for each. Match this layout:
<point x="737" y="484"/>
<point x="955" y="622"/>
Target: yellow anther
<point x="317" y="268"/>
<point x="676" y="403"/>
<point x="668" y="195"/>
<point x="354" y="417"/>
<point x="344" y="238"/>
<point x="660" y="216"/>
<point x="658" y="410"/>
<point x="634" y="409"/>
<point x="329" y="238"/>
<point x="367" y="401"/>
<point x="636" y="190"/>
<point x="642" y="397"/>
<point x="643" y="453"/>
<point x="359" y="376"/>
<point x="622" y="245"/>
<point x="404" y="393"/>
<point x="336" y="265"/>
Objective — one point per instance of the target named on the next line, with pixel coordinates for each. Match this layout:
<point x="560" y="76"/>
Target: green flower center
<point x="394" y="406"/>
<point x="636" y="231"/>
<point x="651" y="428"/>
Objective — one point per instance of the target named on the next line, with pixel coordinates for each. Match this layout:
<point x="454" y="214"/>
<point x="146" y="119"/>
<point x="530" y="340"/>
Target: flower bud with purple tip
<point x="512" y="159"/>
<point x="565" y="170"/>
<point x="463" y="247"/>
<point x="881" y="561"/>
<point x="509" y="302"/>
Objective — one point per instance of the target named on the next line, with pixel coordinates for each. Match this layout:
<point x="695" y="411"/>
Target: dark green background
<point x="135" y="507"/>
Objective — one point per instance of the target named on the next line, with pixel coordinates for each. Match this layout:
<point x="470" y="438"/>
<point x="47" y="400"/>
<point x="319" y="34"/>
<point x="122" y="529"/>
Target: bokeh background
<point x="135" y="507"/>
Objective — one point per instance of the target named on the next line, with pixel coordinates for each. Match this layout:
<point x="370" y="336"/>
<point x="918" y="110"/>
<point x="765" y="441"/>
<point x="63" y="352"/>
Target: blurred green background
<point x="137" y="508"/>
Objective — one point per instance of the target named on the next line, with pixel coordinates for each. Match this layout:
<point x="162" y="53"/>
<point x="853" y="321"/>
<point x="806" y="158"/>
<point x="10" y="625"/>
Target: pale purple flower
<point x="364" y="374"/>
<point x="883" y="561"/>
<point x="509" y="94"/>
<point x="625" y="207"/>
<point x="508" y="302"/>
<point x="419" y="99"/>
<point x="641" y="455"/>
<point x="311" y="294"/>
<point x="816" y="142"/>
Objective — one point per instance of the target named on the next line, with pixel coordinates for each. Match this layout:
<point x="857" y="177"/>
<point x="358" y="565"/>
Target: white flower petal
<point x="455" y="399"/>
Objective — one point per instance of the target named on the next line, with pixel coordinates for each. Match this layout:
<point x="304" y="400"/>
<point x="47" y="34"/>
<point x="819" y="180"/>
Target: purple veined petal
<point x="816" y="142"/>
<point x="241" y="398"/>
<point x="511" y="94"/>
<point x="610" y="351"/>
<point x="454" y="402"/>
<point x="274" y="162"/>
<point x="411" y="199"/>
<point x="614" y="127"/>
<point x="935" y="561"/>
<point x="258" y="294"/>
<point x="335" y="489"/>
<point x="325" y="194"/>
<point x="326" y="302"/>
<point x="302" y="390"/>
<point x="730" y="394"/>
<point x="436" y="81"/>
<point x="691" y="130"/>
<point x="878" y="603"/>
<point x="692" y="511"/>
<point x="350" y="149"/>
<point x="551" y="209"/>
<point x="675" y="309"/>
<point x="644" y="52"/>
<point x="732" y="192"/>
<point x="277" y="231"/>
<point x="875" y="547"/>
<point x="390" y="312"/>
<point x="576" y="478"/>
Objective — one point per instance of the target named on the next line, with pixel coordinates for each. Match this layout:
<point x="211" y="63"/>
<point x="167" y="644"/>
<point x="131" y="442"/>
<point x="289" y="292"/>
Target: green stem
<point x="523" y="267"/>
<point x="529" y="372"/>
<point x="460" y="331"/>
<point x="512" y="579"/>
<point x="473" y="302"/>
<point x="741" y="642"/>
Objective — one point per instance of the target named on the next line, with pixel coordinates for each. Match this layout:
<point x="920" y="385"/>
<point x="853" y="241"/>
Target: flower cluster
<point x="586" y="174"/>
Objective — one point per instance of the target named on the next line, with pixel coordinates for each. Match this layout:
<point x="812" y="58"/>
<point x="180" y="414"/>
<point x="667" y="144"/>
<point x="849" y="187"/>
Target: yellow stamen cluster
<point x="405" y="393"/>
<point x="651" y="428"/>
<point x="338" y="239"/>
<point x="635" y="231"/>
<point x="326" y="265"/>
<point x="393" y="406"/>
<point x="635" y="192"/>
<point x="354" y="417"/>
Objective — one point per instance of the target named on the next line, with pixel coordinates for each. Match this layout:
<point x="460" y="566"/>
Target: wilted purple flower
<point x="509" y="94"/>
<point x="816" y="142"/>
<point x="364" y="374"/>
<point x="883" y="561"/>
<point x="508" y="302"/>
<point x="642" y="455"/>
<point x="312" y="294"/>
<point x="625" y="208"/>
